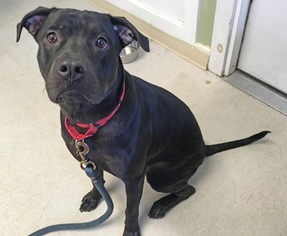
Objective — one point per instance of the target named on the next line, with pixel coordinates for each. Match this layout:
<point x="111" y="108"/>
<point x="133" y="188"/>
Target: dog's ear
<point x="127" y="32"/>
<point x="33" y="21"/>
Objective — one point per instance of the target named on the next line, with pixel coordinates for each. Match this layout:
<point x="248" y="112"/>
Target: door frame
<point x="229" y="24"/>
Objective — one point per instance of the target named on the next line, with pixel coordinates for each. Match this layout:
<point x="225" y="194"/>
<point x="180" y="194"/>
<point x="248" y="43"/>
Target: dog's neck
<point x="88" y="113"/>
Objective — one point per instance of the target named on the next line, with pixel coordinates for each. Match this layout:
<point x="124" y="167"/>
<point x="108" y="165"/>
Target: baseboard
<point x="192" y="54"/>
<point x="259" y="90"/>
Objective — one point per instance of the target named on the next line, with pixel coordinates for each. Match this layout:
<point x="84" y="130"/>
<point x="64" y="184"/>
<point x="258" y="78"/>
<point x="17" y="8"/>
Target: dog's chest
<point x="96" y="153"/>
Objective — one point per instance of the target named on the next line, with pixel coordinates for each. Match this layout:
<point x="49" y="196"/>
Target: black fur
<point x="215" y="148"/>
<point x="153" y="134"/>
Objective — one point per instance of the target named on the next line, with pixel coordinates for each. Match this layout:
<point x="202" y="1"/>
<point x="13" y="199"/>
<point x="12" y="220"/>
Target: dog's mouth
<point x="71" y="96"/>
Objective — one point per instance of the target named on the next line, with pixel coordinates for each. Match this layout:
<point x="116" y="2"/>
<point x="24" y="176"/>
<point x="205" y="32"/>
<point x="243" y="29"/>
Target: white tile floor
<point x="239" y="192"/>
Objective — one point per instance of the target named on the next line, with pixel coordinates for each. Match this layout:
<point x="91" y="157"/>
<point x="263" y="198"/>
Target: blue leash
<point x="96" y="179"/>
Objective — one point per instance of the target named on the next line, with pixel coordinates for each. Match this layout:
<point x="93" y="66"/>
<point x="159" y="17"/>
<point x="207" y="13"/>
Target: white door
<point x="264" y="48"/>
<point x="178" y="18"/>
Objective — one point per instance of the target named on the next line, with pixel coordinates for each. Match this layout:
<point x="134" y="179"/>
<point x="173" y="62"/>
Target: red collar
<point x="92" y="129"/>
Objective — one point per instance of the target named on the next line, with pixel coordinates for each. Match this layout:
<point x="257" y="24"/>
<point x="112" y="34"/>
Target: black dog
<point x="146" y="131"/>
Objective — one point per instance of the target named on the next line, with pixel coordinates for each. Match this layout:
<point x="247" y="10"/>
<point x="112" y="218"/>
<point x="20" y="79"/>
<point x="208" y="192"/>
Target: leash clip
<point x="83" y="150"/>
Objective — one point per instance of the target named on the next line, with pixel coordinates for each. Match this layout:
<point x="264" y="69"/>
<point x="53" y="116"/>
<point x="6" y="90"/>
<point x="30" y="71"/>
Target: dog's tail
<point x="212" y="149"/>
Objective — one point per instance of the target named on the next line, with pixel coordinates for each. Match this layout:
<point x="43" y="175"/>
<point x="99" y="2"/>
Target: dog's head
<point x="79" y="51"/>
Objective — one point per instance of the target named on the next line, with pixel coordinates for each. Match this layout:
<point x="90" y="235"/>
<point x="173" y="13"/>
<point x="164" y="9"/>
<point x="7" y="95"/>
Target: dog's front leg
<point x="134" y="190"/>
<point x="90" y="200"/>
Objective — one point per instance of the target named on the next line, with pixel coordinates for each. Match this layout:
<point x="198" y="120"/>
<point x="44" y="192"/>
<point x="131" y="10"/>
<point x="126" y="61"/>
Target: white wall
<point x="178" y="18"/>
<point x="174" y="9"/>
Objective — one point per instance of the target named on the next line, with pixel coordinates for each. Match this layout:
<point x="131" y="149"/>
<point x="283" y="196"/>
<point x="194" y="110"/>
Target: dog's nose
<point x="71" y="70"/>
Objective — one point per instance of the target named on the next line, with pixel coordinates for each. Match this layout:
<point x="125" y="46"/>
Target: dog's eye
<point x="101" y="43"/>
<point x="52" y="38"/>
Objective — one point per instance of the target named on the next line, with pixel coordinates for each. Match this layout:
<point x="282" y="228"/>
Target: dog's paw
<point x="90" y="202"/>
<point x="157" y="211"/>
